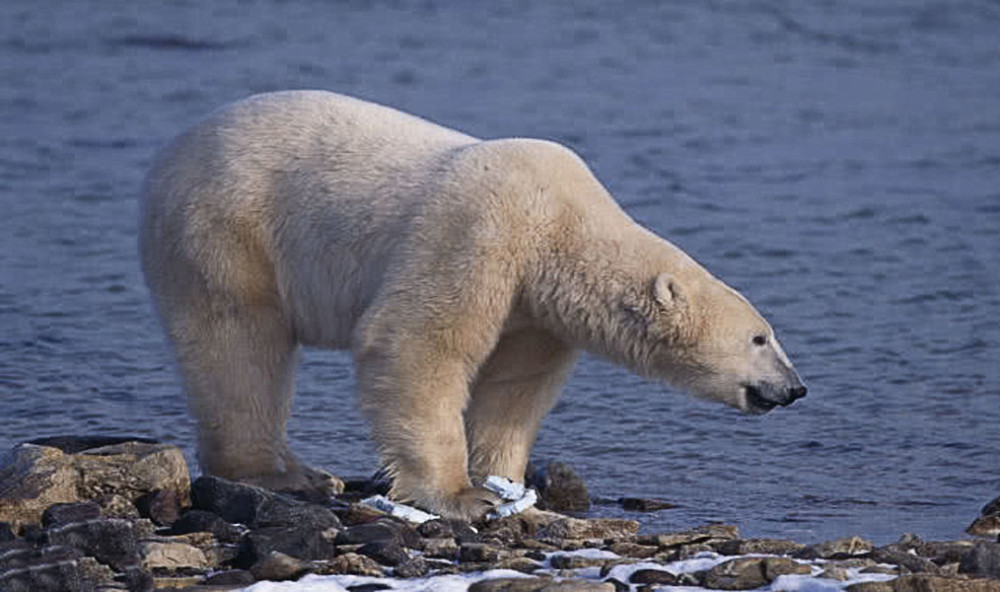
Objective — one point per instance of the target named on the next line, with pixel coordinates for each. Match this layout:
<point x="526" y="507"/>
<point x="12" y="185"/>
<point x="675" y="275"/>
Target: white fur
<point x="462" y="274"/>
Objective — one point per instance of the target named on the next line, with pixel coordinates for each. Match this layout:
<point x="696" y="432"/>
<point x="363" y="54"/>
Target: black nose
<point x="797" y="392"/>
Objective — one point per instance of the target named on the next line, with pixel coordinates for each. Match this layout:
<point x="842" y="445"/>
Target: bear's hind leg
<point x="516" y="387"/>
<point x="238" y="364"/>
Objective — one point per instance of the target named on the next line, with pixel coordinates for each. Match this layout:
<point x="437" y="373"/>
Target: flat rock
<point x="931" y="583"/>
<point x="256" y="507"/>
<point x="559" y="488"/>
<point x="597" y="528"/>
<point x="653" y="576"/>
<point x="381" y="530"/>
<point x="751" y="572"/>
<point x="563" y="561"/>
<point x="703" y="534"/>
<point x="757" y="547"/>
<point x="204" y="521"/>
<point x="539" y="585"/>
<point x="307" y="543"/>
<point x="982" y="560"/>
<point x="171" y="556"/>
<point x="59" y="514"/>
<point x="389" y="553"/>
<point x="837" y="549"/>
<point x="897" y="555"/>
<point x="641" y="504"/>
<point x="230" y="577"/>
<point x="626" y="549"/>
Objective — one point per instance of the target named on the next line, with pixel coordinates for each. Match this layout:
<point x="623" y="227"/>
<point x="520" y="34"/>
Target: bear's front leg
<point x="414" y="398"/>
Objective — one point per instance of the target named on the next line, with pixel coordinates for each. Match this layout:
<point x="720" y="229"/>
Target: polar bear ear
<point x="667" y="292"/>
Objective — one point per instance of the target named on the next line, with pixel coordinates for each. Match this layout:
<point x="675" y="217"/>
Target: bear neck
<point x="598" y="293"/>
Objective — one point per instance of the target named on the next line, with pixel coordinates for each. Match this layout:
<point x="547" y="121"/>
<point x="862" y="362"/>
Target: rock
<point x="170" y="557"/>
<point x="896" y="555"/>
<point x="598" y="528"/>
<point x="640" y="504"/>
<point x="480" y="553"/>
<point x="931" y="583"/>
<point x="382" y="530"/>
<point x="435" y="529"/>
<point x="352" y="564"/>
<point x="559" y="488"/>
<point x="757" y="547"/>
<point x="441" y="548"/>
<point x="416" y="567"/>
<point x="653" y="576"/>
<point x="231" y="577"/>
<point x="837" y="549"/>
<point x="161" y="506"/>
<point x="277" y="566"/>
<point x="34" y="477"/>
<point x="521" y="564"/>
<point x="751" y="572"/>
<point x="539" y="585"/>
<point x="389" y="553"/>
<point x="111" y="541"/>
<point x="258" y="507"/>
<point x="562" y="561"/>
<point x="49" y="577"/>
<point x="635" y="550"/>
<point x="6" y="532"/>
<point x="870" y="587"/>
<point x="117" y="506"/>
<point x="982" y="560"/>
<point x="835" y="572"/>
<point x="988" y="522"/>
<point x="306" y="543"/>
<point x="59" y="514"/>
<point x="703" y="534"/>
<point x="204" y="521"/>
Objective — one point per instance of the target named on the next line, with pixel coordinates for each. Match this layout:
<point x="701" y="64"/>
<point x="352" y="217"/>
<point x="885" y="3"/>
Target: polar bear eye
<point x="759" y="340"/>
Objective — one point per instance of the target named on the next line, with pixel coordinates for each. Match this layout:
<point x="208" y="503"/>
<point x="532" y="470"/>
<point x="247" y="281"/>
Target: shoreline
<point x="89" y="514"/>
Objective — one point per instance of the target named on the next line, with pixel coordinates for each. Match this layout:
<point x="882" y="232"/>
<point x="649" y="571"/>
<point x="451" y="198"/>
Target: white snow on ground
<point x="461" y="583"/>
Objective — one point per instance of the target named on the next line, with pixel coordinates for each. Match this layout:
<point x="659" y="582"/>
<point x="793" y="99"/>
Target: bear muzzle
<point x="763" y="397"/>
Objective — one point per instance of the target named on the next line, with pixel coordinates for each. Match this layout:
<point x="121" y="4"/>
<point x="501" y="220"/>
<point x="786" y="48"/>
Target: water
<point x="838" y="161"/>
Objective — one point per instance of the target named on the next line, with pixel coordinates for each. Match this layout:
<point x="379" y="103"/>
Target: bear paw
<point x="471" y="504"/>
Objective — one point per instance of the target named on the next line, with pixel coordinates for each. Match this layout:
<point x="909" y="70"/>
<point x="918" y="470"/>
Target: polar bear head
<point x="711" y="341"/>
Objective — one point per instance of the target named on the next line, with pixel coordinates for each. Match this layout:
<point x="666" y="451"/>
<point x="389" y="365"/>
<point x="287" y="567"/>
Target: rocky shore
<point x="102" y="514"/>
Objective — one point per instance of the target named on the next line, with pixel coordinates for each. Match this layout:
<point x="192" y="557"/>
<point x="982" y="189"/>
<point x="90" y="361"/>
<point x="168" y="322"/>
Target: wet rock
<point x="389" y="553"/>
<point x="751" y="572"/>
<point x="277" y="566"/>
<point x="60" y="514"/>
<point x="988" y="521"/>
<point x="33" y="476"/>
<point x="711" y="533"/>
<point x="945" y="552"/>
<point x="524" y="565"/>
<point x="255" y="506"/>
<point x="559" y="488"/>
<point x="203" y="521"/>
<point x="641" y="504"/>
<point x="598" y="528"/>
<point x="154" y="555"/>
<point x="230" y="577"/>
<point x="982" y="560"/>
<point x="561" y="561"/>
<point x="837" y="549"/>
<point x="111" y="541"/>
<point x="897" y="555"/>
<point x="352" y="564"/>
<point x="653" y="576"/>
<point x="757" y="546"/>
<point x="302" y="543"/>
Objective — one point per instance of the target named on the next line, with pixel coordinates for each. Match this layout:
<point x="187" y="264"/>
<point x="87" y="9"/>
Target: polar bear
<point x="463" y="275"/>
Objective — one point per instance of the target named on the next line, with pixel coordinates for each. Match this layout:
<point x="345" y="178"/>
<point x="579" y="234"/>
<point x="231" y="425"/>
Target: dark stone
<point x="161" y="506"/>
<point x="28" y="556"/>
<point x="653" y="576"/>
<point x="59" y="514"/>
<point x="898" y="555"/>
<point x="380" y="531"/>
<point x="138" y="580"/>
<point x="6" y="532"/>
<point x="301" y="543"/>
<point x="639" y="504"/>
<point x="463" y="532"/>
<point x="757" y="547"/>
<point x="559" y="488"/>
<point x="416" y="567"/>
<point x="48" y="577"/>
<point x="277" y="566"/>
<point x="258" y="507"/>
<point x="843" y="548"/>
<point x="112" y="541"/>
<point x="436" y="529"/>
<point x="389" y="553"/>
<point x="619" y="585"/>
<point x="479" y="553"/>
<point x="368" y="587"/>
<point x="982" y="560"/>
<point x="203" y="521"/>
<point x="75" y="444"/>
<point x="232" y="577"/>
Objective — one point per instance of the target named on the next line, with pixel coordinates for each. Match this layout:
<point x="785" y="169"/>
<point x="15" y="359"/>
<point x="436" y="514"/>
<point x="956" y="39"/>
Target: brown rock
<point x="277" y="566"/>
<point x="757" y="546"/>
<point x="355" y="565"/>
<point x="703" y="534"/>
<point x="635" y="550"/>
<point x="561" y="561"/>
<point x="870" y="587"/>
<point x="653" y="576"/>
<point x="837" y="549"/>
<point x="751" y="572"/>
<point x="539" y="585"/>
<point x="598" y="528"/>
<point x="480" y="553"/>
<point x="932" y="583"/>
<point x="441" y="548"/>
<point x="835" y="572"/>
<point x="170" y="556"/>
<point x="559" y="488"/>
